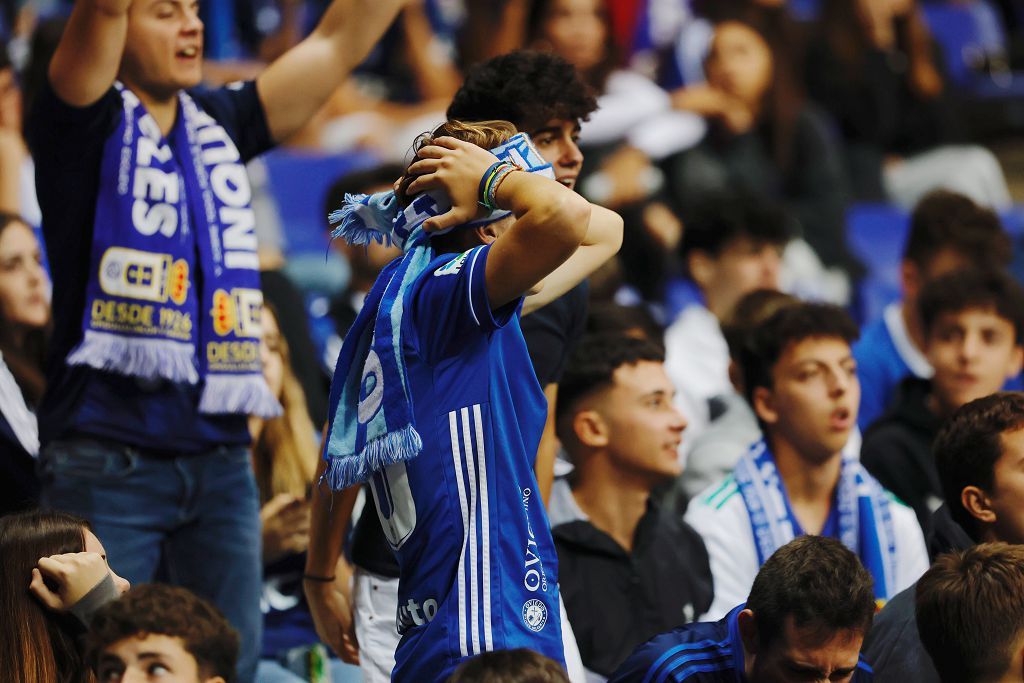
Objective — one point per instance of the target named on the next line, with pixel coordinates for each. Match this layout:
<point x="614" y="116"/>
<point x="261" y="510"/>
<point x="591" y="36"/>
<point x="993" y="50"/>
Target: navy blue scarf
<point x="173" y="290"/>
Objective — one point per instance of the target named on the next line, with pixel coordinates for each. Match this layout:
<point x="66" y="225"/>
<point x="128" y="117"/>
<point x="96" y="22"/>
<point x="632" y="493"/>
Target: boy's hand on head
<point x="75" y="574"/>
<point x="454" y="167"/>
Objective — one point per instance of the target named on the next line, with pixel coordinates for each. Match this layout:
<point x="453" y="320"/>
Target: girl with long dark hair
<point x="24" y="328"/>
<point x="878" y="71"/>
<point x="49" y="563"/>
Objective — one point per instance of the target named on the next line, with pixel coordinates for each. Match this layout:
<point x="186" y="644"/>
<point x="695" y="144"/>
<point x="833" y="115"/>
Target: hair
<point x="968" y="446"/>
<point x="594" y="362"/>
<point x="817" y="582"/>
<point x="525" y="87"/>
<point x="789" y="325"/>
<point x="842" y="27"/>
<point x="749" y="312"/>
<point x="967" y="289"/>
<point x="785" y="97"/>
<point x="723" y="217"/>
<point x="37" y="644"/>
<point x="284" y="455"/>
<point x="597" y="76"/>
<point x="26" y="361"/>
<point x="608" y="317"/>
<point x="509" y="666"/>
<point x="970" y="611"/>
<point x="947" y="220"/>
<point x="485" y="134"/>
<point x="358" y="182"/>
<point x="156" y="609"/>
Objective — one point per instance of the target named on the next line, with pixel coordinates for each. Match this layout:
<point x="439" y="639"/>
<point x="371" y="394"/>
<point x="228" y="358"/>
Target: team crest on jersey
<point x="535" y="614"/>
<point x="452" y="267"/>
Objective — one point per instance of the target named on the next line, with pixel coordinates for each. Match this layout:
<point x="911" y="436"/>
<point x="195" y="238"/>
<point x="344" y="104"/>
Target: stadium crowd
<point x="511" y="341"/>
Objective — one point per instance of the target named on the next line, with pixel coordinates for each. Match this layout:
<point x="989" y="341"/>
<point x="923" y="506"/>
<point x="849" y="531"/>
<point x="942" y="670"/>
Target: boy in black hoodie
<point x="978" y="458"/>
<point x="974" y="329"/>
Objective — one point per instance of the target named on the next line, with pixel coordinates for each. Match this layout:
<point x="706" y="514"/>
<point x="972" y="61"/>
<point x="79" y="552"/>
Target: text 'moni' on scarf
<point x="371" y="412"/>
<point x="173" y="212"/>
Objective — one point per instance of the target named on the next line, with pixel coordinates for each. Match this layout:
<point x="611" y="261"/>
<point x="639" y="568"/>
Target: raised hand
<point x="454" y="167"/>
<point x="285" y="520"/>
<point x="74" y="574"/>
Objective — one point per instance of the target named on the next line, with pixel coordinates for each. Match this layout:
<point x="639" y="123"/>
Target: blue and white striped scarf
<point x="372" y="422"/>
<point x="865" y="520"/>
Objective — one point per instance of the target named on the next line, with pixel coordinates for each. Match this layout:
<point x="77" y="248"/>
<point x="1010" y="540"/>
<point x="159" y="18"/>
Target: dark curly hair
<point x="157" y="609"/>
<point x="789" y="325"/>
<point x="524" y="87"/>
<point x="968" y="612"/>
<point x="594" y="362"/>
<point x="947" y="220"/>
<point x="818" y="583"/>
<point x="969" y="445"/>
<point x="973" y="288"/>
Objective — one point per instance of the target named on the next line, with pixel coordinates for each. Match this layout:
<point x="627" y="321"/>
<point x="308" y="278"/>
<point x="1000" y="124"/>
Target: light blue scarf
<point x="372" y="422"/>
<point x="865" y="520"/>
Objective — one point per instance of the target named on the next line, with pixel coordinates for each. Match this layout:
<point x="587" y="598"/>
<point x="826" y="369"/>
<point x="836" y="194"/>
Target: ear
<point x="590" y="429"/>
<point x="764" y="405"/>
<point x="701" y="267"/>
<point x="910" y="279"/>
<point x="1016" y="361"/>
<point x="977" y="504"/>
<point x="747" y="623"/>
<point x="487" y="233"/>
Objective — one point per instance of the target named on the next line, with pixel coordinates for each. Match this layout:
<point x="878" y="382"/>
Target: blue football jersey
<point x="706" y="652"/>
<point x="478" y="564"/>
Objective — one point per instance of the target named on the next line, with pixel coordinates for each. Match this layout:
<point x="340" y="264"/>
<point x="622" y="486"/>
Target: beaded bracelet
<point x="499" y="178"/>
<point x="490" y="180"/>
<point x="485" y="179"/>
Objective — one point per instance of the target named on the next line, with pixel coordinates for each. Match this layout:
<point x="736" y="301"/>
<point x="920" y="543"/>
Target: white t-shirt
<point x="719" y="514"/>
<point x="697" y="362"/>
<point x="635" y="109"/>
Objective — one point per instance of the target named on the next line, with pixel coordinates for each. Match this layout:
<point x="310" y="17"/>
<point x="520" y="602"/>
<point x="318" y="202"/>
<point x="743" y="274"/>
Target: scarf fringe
<point x="239" y="395"/>
<point x="363" y="219"/>
<point x="394" y="447"/>
<point x="149" y="359"/>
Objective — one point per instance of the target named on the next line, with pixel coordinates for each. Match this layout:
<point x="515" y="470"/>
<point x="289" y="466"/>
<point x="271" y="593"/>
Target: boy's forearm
<point x="330" y="514"/>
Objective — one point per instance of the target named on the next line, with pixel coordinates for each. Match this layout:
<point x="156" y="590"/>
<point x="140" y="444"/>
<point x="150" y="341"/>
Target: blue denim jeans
<point x="190" y="520"/>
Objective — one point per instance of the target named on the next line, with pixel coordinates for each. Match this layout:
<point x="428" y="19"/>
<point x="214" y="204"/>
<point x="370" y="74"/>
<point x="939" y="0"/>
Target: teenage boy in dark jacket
<point x="974" y="329"/>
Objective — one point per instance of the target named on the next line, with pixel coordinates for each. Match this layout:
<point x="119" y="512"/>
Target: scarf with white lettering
<point x="865" y="520"/>
<point x="371" y="412"/>
<point x="173" y="291"/>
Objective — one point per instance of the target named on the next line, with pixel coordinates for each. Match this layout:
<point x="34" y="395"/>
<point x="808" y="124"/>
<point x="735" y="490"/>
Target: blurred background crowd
<point x="846" y="151"/>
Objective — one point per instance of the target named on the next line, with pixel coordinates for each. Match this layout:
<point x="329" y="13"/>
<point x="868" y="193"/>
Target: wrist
<point x="491" y="180"/>
<point x="311" y="577"/>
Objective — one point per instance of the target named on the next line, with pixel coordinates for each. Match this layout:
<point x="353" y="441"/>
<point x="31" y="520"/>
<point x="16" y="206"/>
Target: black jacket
<point x="893" y="647"/>
<point x="897" y="449"/>
<point x="617" y="600"/>
<point x="19" y="487"/>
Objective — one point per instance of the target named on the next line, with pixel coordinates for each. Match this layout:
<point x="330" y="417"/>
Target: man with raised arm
<point x="146" y="215"/>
